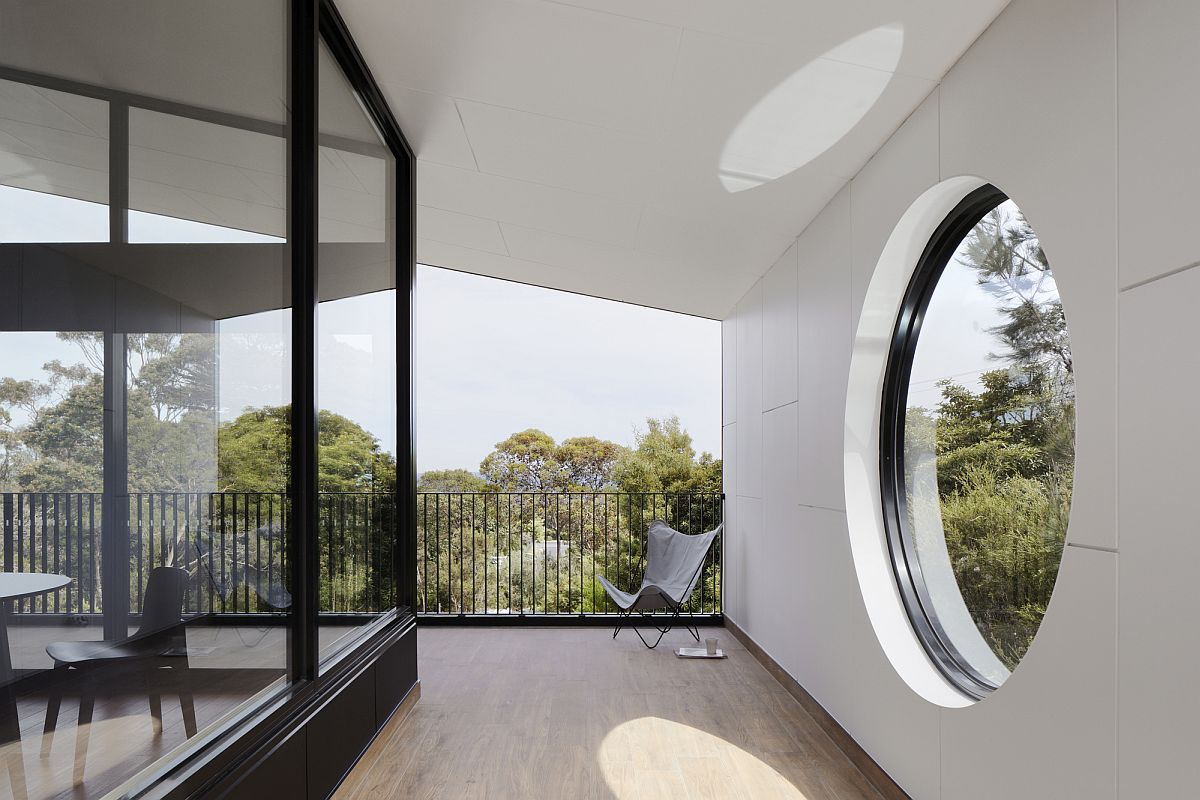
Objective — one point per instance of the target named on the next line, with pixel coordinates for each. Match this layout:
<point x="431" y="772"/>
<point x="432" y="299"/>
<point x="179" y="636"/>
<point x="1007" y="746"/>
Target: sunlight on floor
<point x="651" y="757"/>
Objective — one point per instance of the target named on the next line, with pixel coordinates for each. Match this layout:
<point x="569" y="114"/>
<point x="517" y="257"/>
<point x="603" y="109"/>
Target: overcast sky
<point x="495" y="357"/>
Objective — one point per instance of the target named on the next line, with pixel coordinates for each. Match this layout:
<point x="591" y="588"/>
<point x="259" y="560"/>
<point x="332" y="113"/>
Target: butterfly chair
<point x="159" y="644"/>
<point x="674" y="561"/>
<point x="271" y="595"/>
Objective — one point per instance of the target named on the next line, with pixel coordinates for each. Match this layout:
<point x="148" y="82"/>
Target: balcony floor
<point x="570" y="713"/>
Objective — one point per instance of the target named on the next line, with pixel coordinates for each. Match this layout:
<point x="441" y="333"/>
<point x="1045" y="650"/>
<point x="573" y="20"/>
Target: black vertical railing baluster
<point x="9" y="514"/>
<point x="57" y="550"/>
<point x="162" y="530"/>
<point x="45" y="600"/>
<point x="558" y="551"/>
<point x="234" y="575"/>
<point x="606" y="571"/>
<point x="545" y="555"/>
<point x="149" y="538"/>
<point x="140" y="543"/>
<point x="533" y="559"/>
<point x="473" y="566"/>
<point x="258" y="546"/>
<point x="486" y="554"/>
<point x="270" y="540"/>
<point x="437" y="549"/>
<point x="508" y="551"/>
<point x="425" y="550"/>
<point x="245" y="534"/>
<point x="79" y="555"/>
<point x="335" y="551"/>
<point x="350" y="600"/>
<point x="19" y="509"/>
<point x="23" y="500"/>
<point x="461" y="561"/>
<point x="224" y="575"/>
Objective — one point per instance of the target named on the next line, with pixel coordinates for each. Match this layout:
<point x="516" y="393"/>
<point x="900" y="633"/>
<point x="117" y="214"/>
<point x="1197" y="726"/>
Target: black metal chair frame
<point x="676" y="615"/>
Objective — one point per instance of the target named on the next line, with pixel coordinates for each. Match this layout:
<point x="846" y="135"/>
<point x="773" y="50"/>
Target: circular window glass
<point x="978" y="436"/>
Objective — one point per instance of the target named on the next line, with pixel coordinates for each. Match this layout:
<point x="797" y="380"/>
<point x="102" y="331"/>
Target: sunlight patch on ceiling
<point x="811" y="110"/>
<point x="729" y="769"/>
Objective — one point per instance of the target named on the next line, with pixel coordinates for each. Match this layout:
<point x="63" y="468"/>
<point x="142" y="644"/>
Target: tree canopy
<point x="662" y="460"/>
<point x="450" y="480"/>
<point x="254" y="454"/>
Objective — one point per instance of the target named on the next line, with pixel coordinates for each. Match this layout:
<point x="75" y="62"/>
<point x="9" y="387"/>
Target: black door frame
<point x="270" y="738"/>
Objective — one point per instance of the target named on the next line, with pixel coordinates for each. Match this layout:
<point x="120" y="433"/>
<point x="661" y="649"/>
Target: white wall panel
<point x="749" y="392"/>
<point x="779" y="332"/>
<point x="1059" y="165"/>
<point x="1159" y="127"/>
<point x="824" y="335"/>
<point x="896" y="176"/>
<point x="1050" y="730"/>
<point x="729" y="474"/>
<point x="772" y="561"/>
<point x="846" y="669"/>
<point x="743" y="549"/>
<point x="1101" y="705"/>
<point x="729" y="372"/>
<point x="1159" y="642"/>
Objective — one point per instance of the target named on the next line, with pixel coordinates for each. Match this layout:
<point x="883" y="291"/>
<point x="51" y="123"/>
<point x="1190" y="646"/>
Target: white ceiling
<point x="576" y="143"/>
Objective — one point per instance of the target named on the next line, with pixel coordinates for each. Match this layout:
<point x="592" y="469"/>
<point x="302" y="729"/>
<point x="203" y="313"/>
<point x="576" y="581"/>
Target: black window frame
<point x="224" y="755"/>
<point x="906" y="565"/>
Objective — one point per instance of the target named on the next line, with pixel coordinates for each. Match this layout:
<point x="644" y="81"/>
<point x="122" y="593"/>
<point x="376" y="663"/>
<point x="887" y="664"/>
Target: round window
<point x="978" y="440"/>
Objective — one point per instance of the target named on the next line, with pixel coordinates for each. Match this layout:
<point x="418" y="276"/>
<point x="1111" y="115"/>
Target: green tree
<point x="586" y="463"/>
<point x="61" y="447"/>
<point x="664" y="460"/>
<point x="524" y="462"/>
<point x="1007" y="256"/>
<point x="254" y="452"/>
<point x="450" y="480"/>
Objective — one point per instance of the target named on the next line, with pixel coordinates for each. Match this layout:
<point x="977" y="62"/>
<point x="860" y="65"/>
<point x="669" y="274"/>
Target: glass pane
<point x="989" y="442"/>
<point x="356" y="365"/>
<point x="53" y="165"/>
<point x="227" y="181"/>
<point x="144" y="391"/>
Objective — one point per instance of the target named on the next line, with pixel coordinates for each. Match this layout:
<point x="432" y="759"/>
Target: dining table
<point x="17" y="586"/>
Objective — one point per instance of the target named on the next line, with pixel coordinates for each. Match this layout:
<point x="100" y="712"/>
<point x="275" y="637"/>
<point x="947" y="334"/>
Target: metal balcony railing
<point x="484" y="554"/>
<point x="493" y="554"/>
<point x="233" y="544"/>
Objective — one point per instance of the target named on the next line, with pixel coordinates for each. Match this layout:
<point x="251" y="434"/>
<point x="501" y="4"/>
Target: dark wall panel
<point x="59" y="293"/>
<point x="281" y="774"/>
<point x="339" y="733"/>
<point x="395" y="675"/>
<point x="10" y="276"/>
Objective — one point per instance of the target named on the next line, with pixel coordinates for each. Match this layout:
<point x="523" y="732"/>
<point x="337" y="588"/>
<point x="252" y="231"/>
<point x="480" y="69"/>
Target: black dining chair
<point x="160" y="644"/>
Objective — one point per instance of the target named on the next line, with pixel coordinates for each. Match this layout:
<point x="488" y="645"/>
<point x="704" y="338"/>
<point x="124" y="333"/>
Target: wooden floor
<point x="569" y="713"/>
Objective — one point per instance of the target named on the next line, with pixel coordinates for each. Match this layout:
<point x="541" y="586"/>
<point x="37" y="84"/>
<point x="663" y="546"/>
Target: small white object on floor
<point x="698" y="652"/>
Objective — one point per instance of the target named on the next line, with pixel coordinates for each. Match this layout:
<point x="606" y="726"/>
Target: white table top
<point x="25" y="584"/>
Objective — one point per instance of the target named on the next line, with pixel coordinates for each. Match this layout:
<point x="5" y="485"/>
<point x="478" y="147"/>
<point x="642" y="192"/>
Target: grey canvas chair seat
<point x="674" y="562"/>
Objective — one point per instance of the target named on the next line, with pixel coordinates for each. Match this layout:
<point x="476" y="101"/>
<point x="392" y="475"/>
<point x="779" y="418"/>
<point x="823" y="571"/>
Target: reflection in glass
<point x="144" y="397"/>
<point x="989" y="442"/>
<point x="53" y="165"/>
<point x="225" y="177"/>
<point x="356" y="365"/>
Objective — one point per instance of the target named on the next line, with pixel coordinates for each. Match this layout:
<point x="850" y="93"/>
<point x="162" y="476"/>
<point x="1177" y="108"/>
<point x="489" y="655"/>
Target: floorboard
<point x="570" y="713"/>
